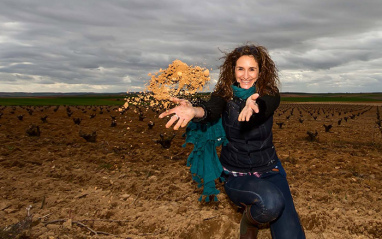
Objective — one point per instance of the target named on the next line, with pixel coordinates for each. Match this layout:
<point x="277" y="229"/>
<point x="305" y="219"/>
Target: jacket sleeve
<point x="267" y="106"/>
<point x="213" y="109"/>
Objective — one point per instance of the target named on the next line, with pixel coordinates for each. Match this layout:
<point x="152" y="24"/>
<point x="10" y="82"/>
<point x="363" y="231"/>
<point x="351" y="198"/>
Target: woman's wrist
<point x="199" y="112"/>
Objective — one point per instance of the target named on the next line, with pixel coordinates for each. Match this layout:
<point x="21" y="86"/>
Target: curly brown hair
<point x="268" y="80"/>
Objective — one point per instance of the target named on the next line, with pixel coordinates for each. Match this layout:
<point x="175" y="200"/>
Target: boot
<point x="248" y="226"/>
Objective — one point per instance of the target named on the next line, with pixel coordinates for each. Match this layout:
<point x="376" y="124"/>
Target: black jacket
<point x="250" y="147"/>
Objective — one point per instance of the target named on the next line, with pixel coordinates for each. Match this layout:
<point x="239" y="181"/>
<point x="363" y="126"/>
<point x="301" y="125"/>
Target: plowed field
<point x="126" y="185"/>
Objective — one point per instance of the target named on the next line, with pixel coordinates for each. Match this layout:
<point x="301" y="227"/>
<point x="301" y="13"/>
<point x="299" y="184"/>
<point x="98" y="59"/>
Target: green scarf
<point x="203" y="161"/>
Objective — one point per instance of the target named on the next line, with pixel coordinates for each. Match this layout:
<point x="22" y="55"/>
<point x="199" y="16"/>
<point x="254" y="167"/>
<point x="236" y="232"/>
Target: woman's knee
<point x="266" y="200"/>
<point x="243" y="190"/>
<point x="271" y="204"/>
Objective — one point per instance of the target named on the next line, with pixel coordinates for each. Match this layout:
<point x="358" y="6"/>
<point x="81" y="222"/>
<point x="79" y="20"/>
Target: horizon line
<point x="89" y="92"/>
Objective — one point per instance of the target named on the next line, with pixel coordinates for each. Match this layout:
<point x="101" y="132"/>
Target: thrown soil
<point x="178" y="79"/>
<point x="127" y="185"/>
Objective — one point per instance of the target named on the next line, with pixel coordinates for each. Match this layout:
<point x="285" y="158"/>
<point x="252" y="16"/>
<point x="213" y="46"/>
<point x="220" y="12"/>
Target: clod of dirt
<point x="178" y="79"/>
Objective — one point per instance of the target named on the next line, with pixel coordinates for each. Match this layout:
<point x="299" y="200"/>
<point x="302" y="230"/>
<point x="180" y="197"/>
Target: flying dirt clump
<point x="178" y="80"/>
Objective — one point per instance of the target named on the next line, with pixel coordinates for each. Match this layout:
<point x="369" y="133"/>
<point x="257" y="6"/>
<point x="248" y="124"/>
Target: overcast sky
<point x="111" y="46"/>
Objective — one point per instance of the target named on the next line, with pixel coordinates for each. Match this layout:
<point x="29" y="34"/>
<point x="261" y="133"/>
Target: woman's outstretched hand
<point x="181" y="114"/>
<point x="249" y="108"/>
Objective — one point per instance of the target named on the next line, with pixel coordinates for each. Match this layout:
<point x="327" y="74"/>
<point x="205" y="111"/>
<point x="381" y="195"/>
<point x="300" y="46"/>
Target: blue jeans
<point x="271" y="202"/>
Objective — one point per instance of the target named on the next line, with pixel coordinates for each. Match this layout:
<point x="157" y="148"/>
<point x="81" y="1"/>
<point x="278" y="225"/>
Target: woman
<point x="245" y="98"/>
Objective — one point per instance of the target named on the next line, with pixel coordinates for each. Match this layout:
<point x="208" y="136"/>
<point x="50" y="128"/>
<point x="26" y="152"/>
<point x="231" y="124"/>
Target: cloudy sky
<point x="111" y="46"/>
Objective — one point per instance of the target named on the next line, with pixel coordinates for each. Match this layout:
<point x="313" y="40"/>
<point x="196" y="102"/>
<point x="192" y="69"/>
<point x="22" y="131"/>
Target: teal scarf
<point x="203" y="161"/>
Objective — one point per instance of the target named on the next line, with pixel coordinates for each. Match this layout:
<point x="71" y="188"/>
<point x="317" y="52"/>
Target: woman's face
<point x="246" y="71"/>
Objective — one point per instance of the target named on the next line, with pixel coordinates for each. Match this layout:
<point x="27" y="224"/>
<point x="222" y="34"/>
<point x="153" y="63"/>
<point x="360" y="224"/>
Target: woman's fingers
<point x="184" y="123"/>
<point x="255" y="96"/>
<point x="164" y="114"/>
<point x="178" y="124"/>
<point x="172" y="121"/>
<point x="240" y="115"/>
<point x="245" y="114"/>
<point x="248" y="114"/>
<point x="255" y="107"/>
<point x="248" y="111"/>
<point x="250" y="108"/>
<point x="182" y="113"/>
<point x="175" y="100"/>
<point x="179" y="101"/>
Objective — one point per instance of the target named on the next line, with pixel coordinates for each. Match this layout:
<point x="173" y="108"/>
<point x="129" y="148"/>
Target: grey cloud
<point x="103" y="43"/>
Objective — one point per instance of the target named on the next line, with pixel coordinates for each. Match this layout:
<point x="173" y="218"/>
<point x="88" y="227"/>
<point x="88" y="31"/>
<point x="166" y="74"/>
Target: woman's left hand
<point x="249" y="108"/>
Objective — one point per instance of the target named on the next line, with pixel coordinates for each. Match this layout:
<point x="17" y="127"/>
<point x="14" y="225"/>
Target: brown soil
<point x="178" y="79"/>
<point x="128" y="185"/>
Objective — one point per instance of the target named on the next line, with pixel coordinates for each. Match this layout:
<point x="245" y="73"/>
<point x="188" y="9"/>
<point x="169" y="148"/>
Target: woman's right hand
<point x="250" y="108"/>
<point x="183" y="113"/>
